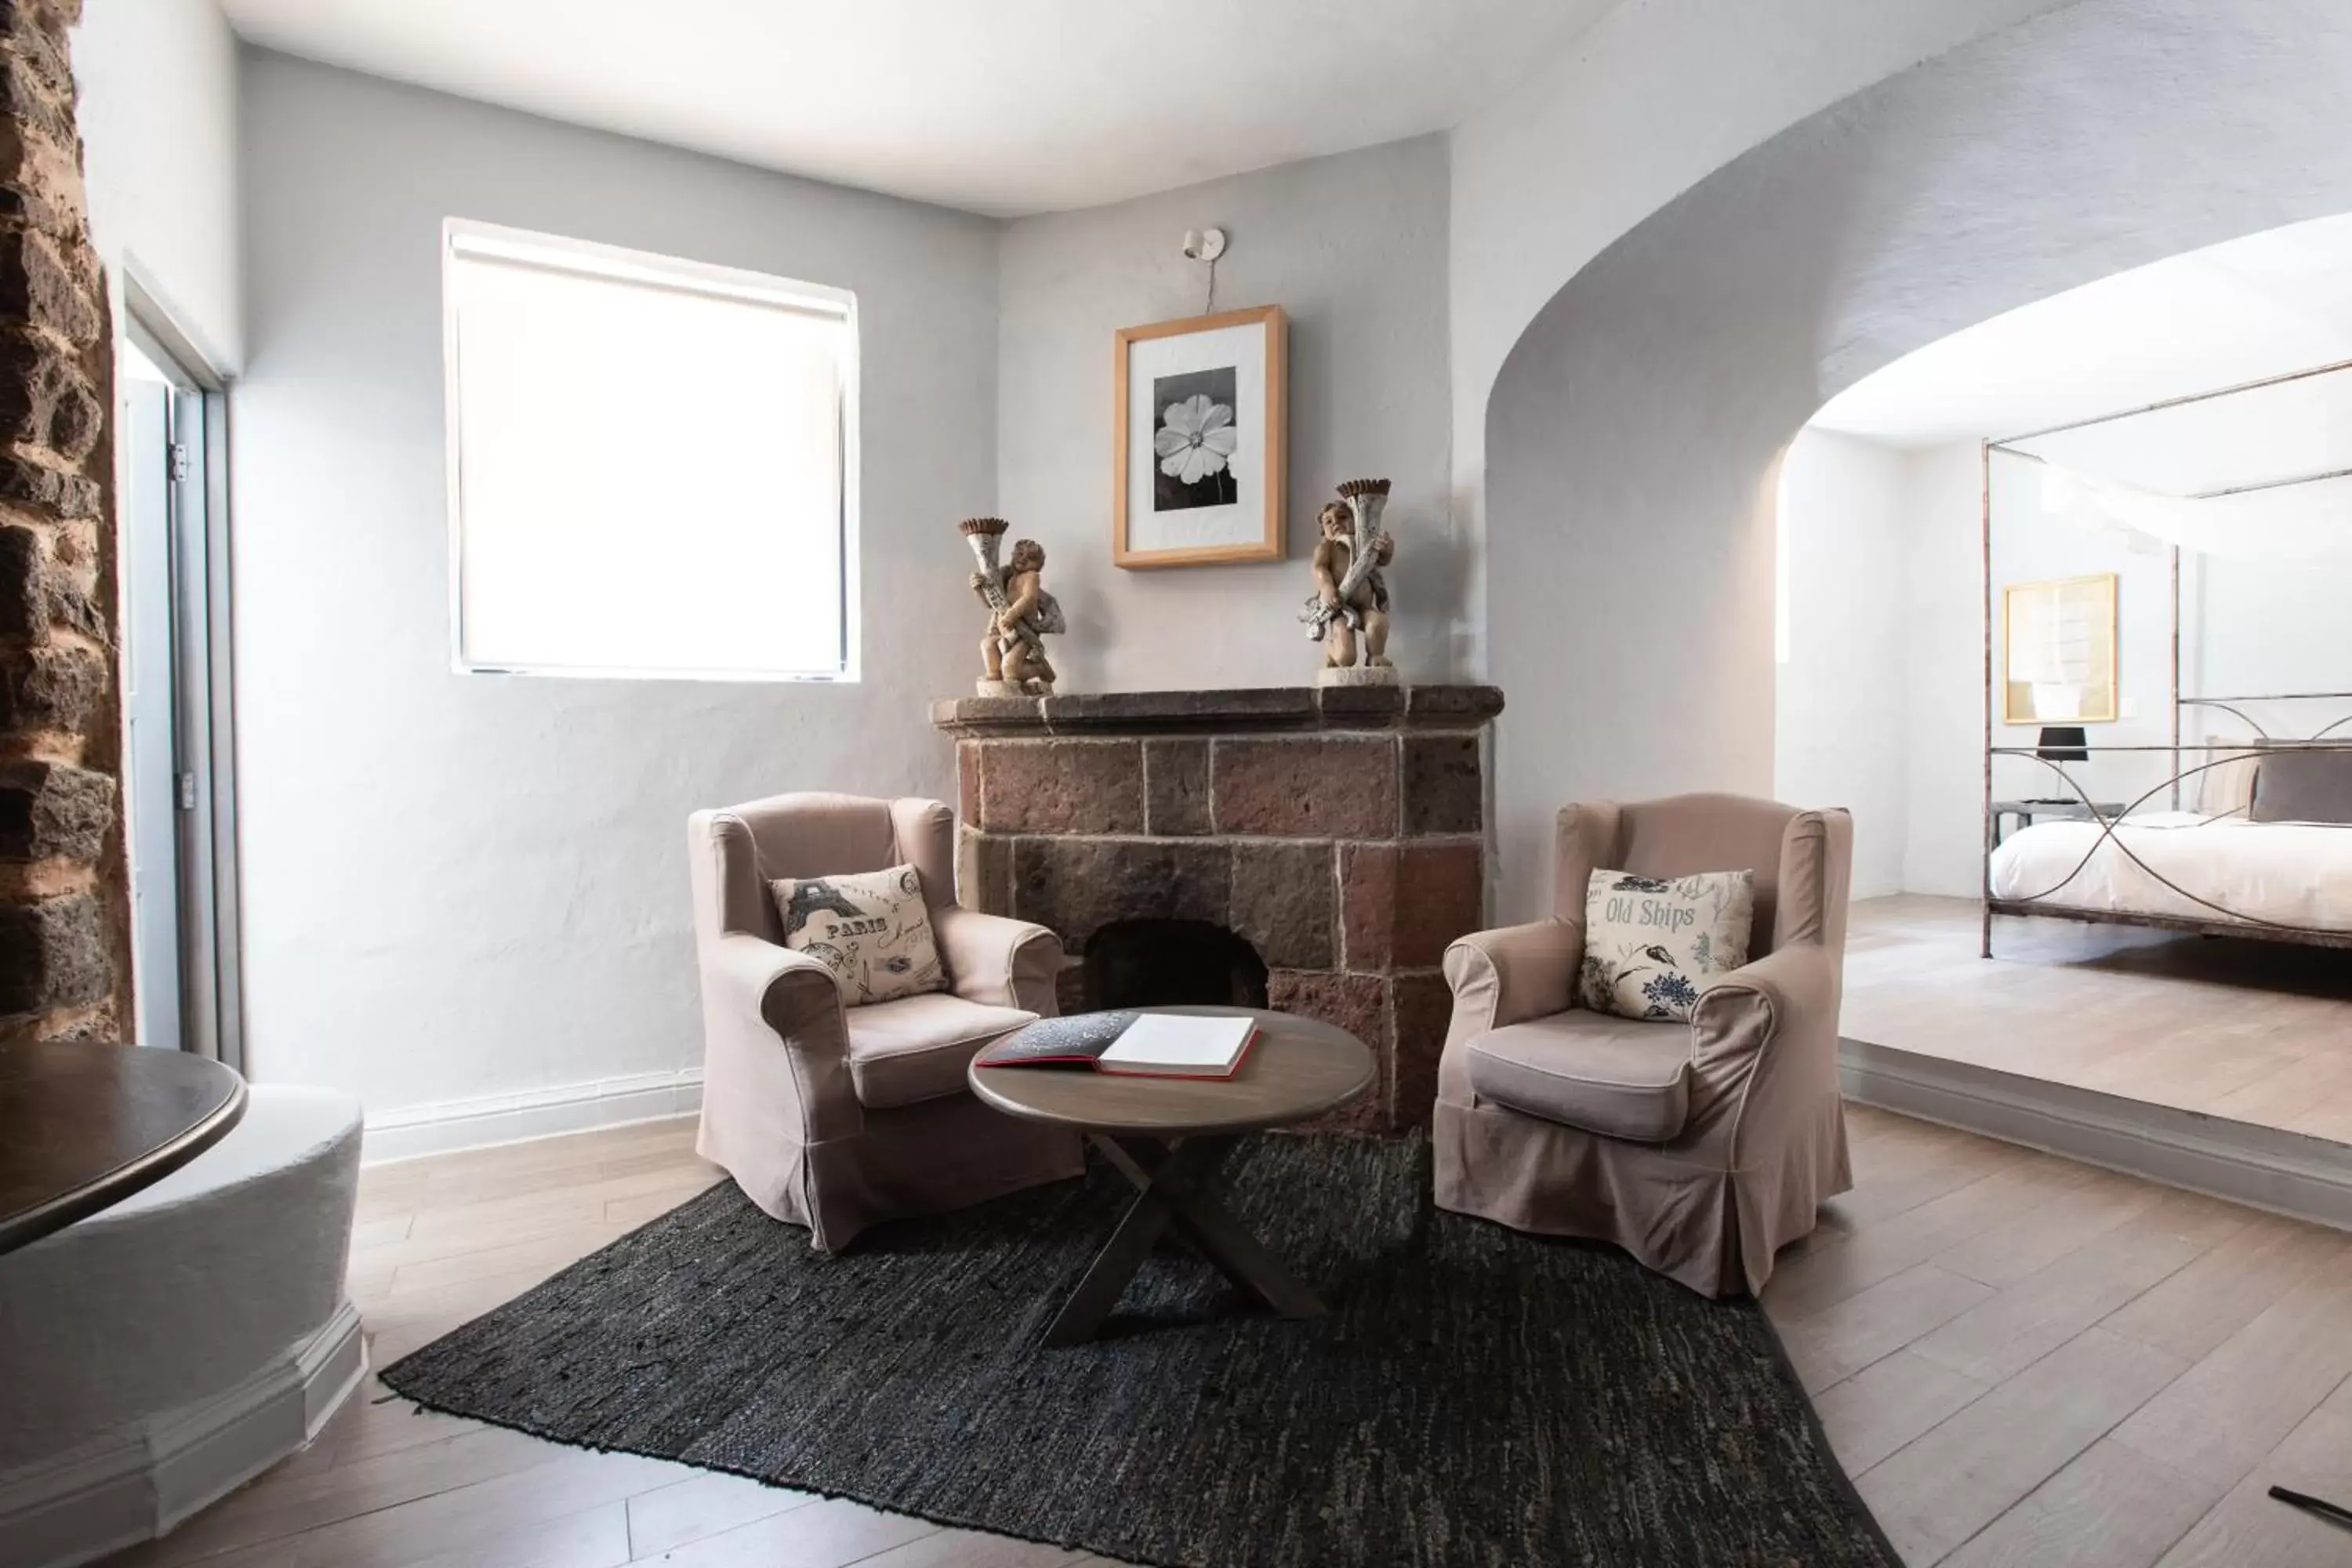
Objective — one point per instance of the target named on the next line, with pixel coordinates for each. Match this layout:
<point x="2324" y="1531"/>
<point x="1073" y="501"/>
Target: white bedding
<point x="2288" y="873"/>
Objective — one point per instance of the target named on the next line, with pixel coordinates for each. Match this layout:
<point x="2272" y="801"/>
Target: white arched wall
<point x="1650" y="100"/>
<point x="1633" y="434"/>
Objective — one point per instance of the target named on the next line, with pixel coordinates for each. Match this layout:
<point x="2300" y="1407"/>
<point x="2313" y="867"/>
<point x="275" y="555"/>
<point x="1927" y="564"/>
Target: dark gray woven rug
<point x="1476" y="1397"/>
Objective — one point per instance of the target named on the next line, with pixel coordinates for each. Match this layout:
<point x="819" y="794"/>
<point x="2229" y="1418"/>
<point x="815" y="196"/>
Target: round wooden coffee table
<point x="1170" y="1136"/>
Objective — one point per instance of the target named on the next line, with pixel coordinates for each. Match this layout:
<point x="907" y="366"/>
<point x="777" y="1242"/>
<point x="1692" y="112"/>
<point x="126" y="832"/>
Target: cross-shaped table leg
<point x="1173" y="1181"/>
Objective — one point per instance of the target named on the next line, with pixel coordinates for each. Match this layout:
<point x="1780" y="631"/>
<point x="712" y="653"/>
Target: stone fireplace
<point x="1317" y="848"/>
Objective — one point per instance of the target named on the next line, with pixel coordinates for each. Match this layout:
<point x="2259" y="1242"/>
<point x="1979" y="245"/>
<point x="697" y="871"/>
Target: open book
<point x="1139" y="1045"/>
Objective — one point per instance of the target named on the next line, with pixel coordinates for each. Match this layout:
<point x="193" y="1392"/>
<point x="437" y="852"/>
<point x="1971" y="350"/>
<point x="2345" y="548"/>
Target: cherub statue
<point x="1351" y="595"/>
<point x="1021" y="613"/>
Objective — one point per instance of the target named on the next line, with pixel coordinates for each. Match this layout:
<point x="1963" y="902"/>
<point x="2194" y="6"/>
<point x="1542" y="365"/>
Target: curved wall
<point x="1633" y="434"/>
<point x="1651" y="99"/>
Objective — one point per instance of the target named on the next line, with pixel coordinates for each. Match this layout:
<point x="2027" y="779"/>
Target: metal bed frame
<point x="2225" y="921"/>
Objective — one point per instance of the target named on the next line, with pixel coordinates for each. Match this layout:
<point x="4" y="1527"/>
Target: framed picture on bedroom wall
<point x="2058" y="651"/>
<point x="1200" y="424"/>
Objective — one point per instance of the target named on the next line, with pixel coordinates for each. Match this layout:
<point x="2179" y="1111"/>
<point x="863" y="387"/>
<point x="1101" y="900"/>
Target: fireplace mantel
<point x="1253" y="709"/>
<point x="1339" y="831"/>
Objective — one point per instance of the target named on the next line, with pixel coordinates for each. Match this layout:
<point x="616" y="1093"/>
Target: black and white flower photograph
<point x="1198" y="415"/>
<point x="1195" y="440"/>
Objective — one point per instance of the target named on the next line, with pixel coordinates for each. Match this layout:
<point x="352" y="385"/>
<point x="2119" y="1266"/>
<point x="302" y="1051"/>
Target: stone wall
<point x="64" y="899"/>
<point x="1341" y="833"/>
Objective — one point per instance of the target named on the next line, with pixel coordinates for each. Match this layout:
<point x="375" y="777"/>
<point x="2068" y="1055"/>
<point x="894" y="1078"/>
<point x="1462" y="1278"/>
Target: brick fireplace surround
<point x="65" y="896"/>
<point x="1341" y="832"/>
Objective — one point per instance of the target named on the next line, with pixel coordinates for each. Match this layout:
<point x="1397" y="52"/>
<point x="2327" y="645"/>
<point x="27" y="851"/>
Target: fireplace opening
<point x="1170" y="962"/>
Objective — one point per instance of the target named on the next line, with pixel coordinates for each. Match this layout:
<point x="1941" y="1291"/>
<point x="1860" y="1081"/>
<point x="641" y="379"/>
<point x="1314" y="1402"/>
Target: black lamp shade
<point x="2063" y="743"/>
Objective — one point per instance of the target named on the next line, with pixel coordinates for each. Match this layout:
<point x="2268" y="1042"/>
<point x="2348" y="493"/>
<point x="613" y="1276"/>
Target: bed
<point x="2289" y="880"/>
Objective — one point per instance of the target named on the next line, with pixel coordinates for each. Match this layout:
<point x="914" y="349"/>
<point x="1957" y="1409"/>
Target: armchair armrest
<point x="1763" y="1036"/>
<point x="766" y="974"/>
<point x="775" y="1028"/>
<point x="1794" y="988"/>
<point x="1001" y="961"/>
<point x="1518" y="972"/>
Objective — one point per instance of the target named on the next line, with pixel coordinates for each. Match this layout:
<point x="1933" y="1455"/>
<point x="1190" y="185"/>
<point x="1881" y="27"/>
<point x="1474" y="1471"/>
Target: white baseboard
<point x="135" y="1483"/>
<point x="2286" y="1173"/>
<point x="438" y="1128"/>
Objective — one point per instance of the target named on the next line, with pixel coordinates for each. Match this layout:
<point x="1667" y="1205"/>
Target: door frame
<point x="212" y="946"/>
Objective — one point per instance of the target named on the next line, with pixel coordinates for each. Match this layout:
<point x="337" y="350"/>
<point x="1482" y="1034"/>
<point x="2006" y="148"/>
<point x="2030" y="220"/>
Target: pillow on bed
<point x="1650" y="942"/>
<point x="2294" y="785"/>
<point x="2226" y="788"/>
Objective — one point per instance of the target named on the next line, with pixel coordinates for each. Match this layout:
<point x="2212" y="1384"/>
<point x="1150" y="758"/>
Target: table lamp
<point x="2063" y="743"/>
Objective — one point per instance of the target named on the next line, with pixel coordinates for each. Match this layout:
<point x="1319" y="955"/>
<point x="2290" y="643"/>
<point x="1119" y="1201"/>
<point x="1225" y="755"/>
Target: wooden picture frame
<point x="2070" y="625"/>
<point x="1197" y="472"/>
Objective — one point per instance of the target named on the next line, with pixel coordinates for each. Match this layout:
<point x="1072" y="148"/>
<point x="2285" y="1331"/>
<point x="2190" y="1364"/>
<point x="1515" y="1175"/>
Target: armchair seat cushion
<point x="1620" y="1078"/>
<point x="917" y="1047"/>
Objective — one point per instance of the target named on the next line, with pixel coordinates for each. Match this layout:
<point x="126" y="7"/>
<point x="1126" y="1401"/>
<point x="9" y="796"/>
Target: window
<point x="653" y="464"/>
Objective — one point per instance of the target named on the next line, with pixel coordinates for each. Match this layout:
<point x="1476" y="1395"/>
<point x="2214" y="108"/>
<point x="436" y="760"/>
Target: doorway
<point x="2052" y="671"/>
<point x="176" y="825"/>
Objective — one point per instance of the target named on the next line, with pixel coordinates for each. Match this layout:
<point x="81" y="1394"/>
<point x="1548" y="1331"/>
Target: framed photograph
<point x="2058" y="651"/>
<point x="1201" y="436"/>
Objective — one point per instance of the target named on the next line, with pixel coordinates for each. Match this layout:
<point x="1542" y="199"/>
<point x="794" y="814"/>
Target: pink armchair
<point x="1700" y="1148"/>
<point x="833" y="1117"/>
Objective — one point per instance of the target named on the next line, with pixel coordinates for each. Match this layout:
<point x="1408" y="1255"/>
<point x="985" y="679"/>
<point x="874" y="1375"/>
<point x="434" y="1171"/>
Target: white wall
<point x="2268" y="626"/>
<point x="1353" y="249"/>
<point x="158" y="117"/>
<point x="1639" y="109"/>
<point x="1632" y="433"/>
<point x="1942" y="850"/>
<point x="1880" y="706"/>
<point x="2257" y="628"/>
<point x="1841" y="695"/>
<point x="460" y="886"/>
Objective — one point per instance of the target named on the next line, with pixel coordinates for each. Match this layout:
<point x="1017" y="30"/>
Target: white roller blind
<point x="652" y="464"/>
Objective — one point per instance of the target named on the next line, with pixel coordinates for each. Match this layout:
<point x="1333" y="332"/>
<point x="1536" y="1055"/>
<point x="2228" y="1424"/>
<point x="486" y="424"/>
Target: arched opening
<point x="1634" y="433"/>
<point x="2060" y="606"/>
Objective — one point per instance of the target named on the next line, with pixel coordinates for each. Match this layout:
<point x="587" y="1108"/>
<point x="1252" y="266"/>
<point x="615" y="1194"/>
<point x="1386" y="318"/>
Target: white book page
<point x="1177" y="1042"/>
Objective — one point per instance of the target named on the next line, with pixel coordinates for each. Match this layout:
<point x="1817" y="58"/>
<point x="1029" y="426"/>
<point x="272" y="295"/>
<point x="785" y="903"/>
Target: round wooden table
<point x="1170" y="1136"/>
<point x="85" y="1126"/>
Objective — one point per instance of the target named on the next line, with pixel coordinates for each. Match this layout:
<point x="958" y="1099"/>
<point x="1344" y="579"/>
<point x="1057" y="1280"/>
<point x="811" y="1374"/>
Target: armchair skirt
<point x="1713" y="1229"/>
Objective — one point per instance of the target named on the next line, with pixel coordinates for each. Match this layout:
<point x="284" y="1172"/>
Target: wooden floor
<point x="2257" y="1032"/>
<point x="2023" y="1361"/>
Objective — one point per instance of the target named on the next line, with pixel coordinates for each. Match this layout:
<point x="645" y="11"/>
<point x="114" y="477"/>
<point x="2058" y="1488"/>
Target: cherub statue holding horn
<point x="1021" y="613"/>
<point x="1351" y="598"/>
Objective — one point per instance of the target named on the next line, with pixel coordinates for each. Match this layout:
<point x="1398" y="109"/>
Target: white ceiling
<point x="1001" y="107"/>
<point x="2260" y="306"/>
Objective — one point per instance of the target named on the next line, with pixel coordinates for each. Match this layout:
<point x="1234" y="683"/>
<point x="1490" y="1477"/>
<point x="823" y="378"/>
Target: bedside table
<point x="2026" y="811"/>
